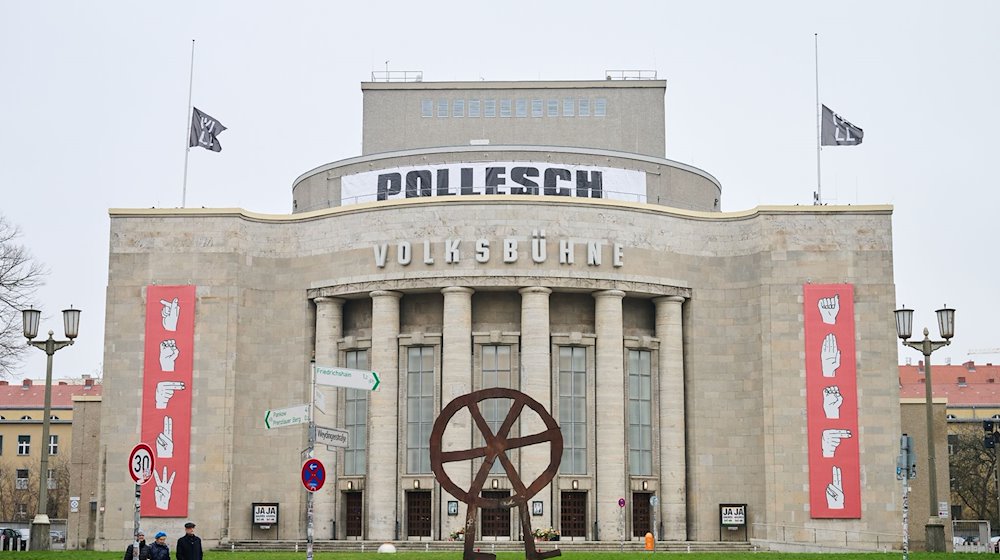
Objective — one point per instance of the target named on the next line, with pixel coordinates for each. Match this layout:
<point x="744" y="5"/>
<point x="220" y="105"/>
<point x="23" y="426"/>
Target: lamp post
<point x="40" y="525"/>
<point x="904" y="329"/>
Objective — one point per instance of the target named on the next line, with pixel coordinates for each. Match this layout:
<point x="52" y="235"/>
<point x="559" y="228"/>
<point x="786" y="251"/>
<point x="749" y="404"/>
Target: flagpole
<point x="818" y="198"/>
<point x="187" y="137"/>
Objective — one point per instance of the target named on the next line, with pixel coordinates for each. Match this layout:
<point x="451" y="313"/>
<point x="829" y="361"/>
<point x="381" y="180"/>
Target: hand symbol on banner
<point x="165" y="390"/>
<point x="835" y="491"/>
<point x="168" y="354"/>
<point x="171" y="311"/>
<point x="830" y="356"/>
<point x="165" y="441"/>
<point x="829" y="307"/>
<point x="832" y="399"/>
<point x="831" y="440"/>
<point x="163" y="486"/>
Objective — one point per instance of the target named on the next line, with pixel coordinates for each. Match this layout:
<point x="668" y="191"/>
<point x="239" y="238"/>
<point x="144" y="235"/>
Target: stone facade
<point x="665" y="336"/>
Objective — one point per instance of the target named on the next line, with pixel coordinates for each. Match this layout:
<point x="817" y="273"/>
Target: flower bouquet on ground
<point x="458" y="534"/>
<point x="548" y="534"/>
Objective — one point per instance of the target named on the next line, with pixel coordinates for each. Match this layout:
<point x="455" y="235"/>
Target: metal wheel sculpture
<point x="494" y="449"/>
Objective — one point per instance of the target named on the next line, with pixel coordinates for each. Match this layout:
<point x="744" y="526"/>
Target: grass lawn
<point x="211" y="554"/>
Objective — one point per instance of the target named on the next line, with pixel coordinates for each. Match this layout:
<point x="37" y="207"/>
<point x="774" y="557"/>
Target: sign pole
<point x="309" y="450"/>
<point x="135" y="524"/>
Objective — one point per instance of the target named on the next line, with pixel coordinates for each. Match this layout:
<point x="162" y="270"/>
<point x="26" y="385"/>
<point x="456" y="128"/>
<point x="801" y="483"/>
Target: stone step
<point x="486" y="546"/>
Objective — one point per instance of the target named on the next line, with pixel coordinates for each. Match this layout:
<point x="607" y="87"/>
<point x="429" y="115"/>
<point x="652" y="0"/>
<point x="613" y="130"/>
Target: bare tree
<point x="20" y="276"/>
<point x="973" y="485"/>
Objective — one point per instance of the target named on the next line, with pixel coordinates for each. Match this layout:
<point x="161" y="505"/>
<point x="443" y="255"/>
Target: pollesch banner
<point x="832" y="402"/>
<point x="166" y="397"/>
<point x="492" y="178"/>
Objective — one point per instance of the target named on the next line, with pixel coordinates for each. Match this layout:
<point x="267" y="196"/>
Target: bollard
<point x="650" y="544"/>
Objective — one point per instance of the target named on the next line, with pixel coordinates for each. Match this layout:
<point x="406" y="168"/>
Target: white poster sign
<point x="493" y="178"/>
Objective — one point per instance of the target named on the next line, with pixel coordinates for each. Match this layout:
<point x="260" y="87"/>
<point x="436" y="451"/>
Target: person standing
<point x="159" y="549"/>
<point x="143" y="548"/>
<point x="189" y="545"/>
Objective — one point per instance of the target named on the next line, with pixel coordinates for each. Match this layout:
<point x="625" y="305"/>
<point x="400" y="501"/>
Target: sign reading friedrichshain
<point x="494" y="178"/>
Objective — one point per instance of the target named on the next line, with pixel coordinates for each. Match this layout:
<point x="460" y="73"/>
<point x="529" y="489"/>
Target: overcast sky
<point x="93" y="101"/>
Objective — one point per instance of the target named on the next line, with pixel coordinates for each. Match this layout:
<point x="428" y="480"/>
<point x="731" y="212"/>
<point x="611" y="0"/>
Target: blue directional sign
<point x="313" y="475"/>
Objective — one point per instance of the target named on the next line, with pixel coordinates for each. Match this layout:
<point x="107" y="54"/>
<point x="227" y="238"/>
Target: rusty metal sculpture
<point x="494" y="449"/>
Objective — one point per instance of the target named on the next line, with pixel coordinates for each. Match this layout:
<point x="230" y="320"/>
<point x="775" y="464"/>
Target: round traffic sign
<point x="141" y="463"/>
<point x="313" y="475"/>
<point x="621" y="502"/>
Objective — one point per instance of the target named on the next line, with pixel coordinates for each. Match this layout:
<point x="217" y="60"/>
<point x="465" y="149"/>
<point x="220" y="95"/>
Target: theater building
<point x="528" y="235"/>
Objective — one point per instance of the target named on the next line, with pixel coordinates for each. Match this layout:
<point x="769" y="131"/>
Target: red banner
<point x="166" y="397"/>
<point x="832" y="402"/>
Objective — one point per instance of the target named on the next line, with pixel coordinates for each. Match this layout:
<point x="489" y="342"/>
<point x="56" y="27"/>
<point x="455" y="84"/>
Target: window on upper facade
<point x="23" y="445"/>
<point x="573" y="408"/>
<point x="568" y="105"/>
<point x="490" y="108"/>
<point x="584" y="107"/>
<point x="474" y="108"/>
<point x="640" y="413"/>
<point x="458" y="108"/>
<point x="442" y="108"/>
<point x="426" y="107"/>
<point x="53" y="444"/>
<point x="26" y="417"/>
<point x="52" y="479"/>
<point x="419" y="408"/>
<point x="521" y="107"/>
<point x="600" y="107"/>
<point x="536" y="107"/>
<point x="356" y="418"/>
<point x="553" y="108"/>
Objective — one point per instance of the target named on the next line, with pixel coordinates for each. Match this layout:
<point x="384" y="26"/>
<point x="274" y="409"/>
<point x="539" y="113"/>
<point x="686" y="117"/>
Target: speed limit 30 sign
<point x="141" y="463"/>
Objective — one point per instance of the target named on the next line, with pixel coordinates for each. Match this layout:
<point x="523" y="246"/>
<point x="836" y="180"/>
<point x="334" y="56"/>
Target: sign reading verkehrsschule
<point x="493" y="178"/>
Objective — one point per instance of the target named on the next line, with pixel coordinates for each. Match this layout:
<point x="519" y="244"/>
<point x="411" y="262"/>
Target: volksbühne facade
<point x="528" y="235"/>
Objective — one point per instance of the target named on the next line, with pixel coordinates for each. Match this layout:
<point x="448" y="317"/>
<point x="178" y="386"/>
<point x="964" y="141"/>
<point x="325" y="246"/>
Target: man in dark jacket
<point x="189" y="546"/>
<point x="143" y="552"/>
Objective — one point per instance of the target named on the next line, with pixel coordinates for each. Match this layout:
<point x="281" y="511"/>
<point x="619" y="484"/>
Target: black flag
<point x="205" y="130"/>
<point x="838" y="132"/>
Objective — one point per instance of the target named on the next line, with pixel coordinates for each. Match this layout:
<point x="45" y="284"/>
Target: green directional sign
<point x="281" y="417"/>
<point x="363" y="379"/>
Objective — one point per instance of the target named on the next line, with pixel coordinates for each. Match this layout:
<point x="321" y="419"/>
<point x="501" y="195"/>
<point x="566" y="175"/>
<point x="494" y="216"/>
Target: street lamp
<point x="904" y="328"/>
<point x="40" y="538"/>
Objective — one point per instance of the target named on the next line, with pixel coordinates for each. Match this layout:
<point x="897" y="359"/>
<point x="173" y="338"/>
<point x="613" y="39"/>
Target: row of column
<point x="383" y="492"/>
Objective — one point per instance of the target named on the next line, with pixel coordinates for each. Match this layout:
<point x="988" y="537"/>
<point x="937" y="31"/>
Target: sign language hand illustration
<point x="168" y="354"/>
<point x="831" y="440"/>
<point x="832" y="399"/>
<point x="835" y="491"/>
<point x="830" y="356"/>
<point x="170" y="312"/>
<point x="829" y="307"/>
<point x="163" y="486"/>
<point x="165" y="441"/>
<point x="165" y="390"/>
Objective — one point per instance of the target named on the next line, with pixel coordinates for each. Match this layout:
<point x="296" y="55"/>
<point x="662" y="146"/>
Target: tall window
<point x="53" y="445"/>
<point x="419" y="408"/>
<point x="23" y="445"/>
<point x="1" y="444"/>
<point x="458" y="108"/>
<point x="442" y="107"/>
<point x="573" y="408"/>
<point x="490" y="108"/>
<point x="473" y="107"/>
<point x="640" y="413"/>
<point x="21" y="482"/>
<point x="52" y="479"/>
<point x="356" y="418"/>
<point x="496" y="373"/>
<point x="520" y="107"/>
<point x="568" y="105"/>
<point x="426" y="107"/>
<point x="584" y="107"/>
<point x="553" y="108"/>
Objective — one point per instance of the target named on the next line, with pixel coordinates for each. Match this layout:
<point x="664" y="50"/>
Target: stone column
<point x="536" y="382"/>
<point x="611" y="451"/>
<point x="329" y="329"/>
<point x="673" y="455"/>
<point x="383" y="495"/>
<point x="456" y="380"/>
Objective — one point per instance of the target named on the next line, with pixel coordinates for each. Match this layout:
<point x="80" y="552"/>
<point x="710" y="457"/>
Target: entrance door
<point x="496" y="521"/>
<point x="640" y="514"/>
<point x="573" y="518"/>
<point x="353" y="502"/>
<point x="418" y="514"/>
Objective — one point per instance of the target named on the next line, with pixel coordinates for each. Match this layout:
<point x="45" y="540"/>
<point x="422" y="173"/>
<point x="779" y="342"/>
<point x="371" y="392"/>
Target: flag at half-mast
<point x="205" y="130"/>
<point x="837" y="131"/>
